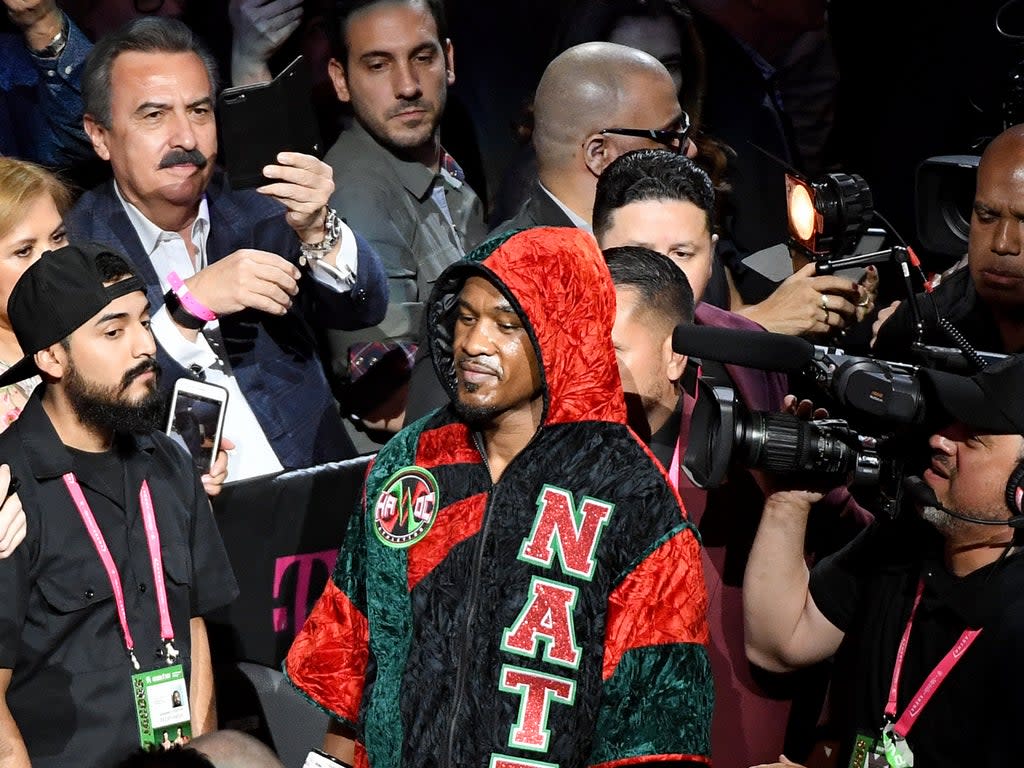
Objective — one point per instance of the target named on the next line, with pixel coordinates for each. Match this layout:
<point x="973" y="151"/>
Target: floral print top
<point x="14" y="397"/>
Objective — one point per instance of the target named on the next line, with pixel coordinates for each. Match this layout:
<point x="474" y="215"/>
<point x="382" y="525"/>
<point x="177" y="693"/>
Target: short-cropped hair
<point x="662" y="286"/>
<point x="651" y="174"/>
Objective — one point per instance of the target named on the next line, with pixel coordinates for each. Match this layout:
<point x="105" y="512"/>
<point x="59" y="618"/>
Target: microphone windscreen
<point x="753" y="349"/>
<point x="920" y="491"/>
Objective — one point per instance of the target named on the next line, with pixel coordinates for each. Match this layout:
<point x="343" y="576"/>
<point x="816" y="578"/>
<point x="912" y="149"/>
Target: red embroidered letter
<point x="504" y="761"/>
<point x="536" y="692"/>
<point x="547" y="616"/>
<point x="573" y="534"/>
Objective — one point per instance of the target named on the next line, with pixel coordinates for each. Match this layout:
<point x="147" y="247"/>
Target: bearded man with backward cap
<point x="520" y="586"/>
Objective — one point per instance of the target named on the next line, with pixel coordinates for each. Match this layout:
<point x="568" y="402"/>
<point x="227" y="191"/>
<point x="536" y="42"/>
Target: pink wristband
<point x="188" y="301"/>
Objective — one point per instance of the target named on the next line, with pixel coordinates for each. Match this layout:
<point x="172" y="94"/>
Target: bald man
<point x="985" y="298"/>
<point x="594" y="102"/>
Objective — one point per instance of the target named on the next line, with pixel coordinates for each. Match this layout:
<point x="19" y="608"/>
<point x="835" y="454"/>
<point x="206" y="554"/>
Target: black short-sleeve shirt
<point x="867" y="590"/>
<point x="70" y="690"/>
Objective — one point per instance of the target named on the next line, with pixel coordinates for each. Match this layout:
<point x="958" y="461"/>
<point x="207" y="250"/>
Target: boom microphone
<point x="922" y="493"/>
<point x="754" y="349"/>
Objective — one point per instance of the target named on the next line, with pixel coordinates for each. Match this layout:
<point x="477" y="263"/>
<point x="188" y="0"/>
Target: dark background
<point x="917" y="78"/>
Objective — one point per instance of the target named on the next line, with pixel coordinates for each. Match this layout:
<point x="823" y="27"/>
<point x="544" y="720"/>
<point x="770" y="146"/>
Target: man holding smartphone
<point x="231" y="305"/>
<point x="101" y="614"/>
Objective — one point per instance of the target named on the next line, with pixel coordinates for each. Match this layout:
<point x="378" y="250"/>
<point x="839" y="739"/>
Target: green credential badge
<point x="406" y="508"/>
<point x="162" y="708"/>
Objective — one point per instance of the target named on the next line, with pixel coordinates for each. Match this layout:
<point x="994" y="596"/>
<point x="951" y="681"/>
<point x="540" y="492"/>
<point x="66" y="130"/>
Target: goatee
<point x="475" y="417"/>
<point x="108" y="409"/>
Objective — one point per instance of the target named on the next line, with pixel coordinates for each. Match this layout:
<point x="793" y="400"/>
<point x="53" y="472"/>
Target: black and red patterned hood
<point x="556" y="279"/>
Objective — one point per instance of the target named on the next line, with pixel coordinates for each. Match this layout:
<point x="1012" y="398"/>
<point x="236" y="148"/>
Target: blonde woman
<point x="32" y="202"/>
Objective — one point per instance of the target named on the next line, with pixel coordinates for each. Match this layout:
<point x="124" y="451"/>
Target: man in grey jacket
<point x="393" y="62"/>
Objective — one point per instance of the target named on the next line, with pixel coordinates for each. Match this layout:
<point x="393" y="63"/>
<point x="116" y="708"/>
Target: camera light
<point x="800" y="206"/>
<point x="827" y="216"/>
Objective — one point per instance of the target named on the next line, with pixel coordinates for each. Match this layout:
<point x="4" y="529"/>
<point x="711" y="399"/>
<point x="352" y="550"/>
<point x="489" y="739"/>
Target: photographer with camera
<point x="923" y="612"/>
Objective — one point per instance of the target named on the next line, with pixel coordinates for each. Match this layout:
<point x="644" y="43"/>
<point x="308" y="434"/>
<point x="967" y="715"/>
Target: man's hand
<point x="38" y="20"/>
<point x="246" y="279"/>
<point x="339" y="741"/>
<point x="259" y="29"/>
<point x="802" y="409"/>
<point x="869" y="292"/>
<point x="884" y="315"/>
<point x="12" y="516"/>
<point x="304" y="184"/>
<point x="213" y="481"/>
<point x="805" y="303"/>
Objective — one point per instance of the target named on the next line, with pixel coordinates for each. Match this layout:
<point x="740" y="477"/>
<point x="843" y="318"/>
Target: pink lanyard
<point x="684" y="428"/>
<point x="673" y="470"/>
<point x="934" y="680"/>
<point x="153" y="544"/>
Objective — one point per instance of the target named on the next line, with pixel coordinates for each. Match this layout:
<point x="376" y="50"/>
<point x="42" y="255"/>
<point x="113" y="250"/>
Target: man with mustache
<point x="122" y="557"/>
<point x="984" y="300"/>
<point x="222" y="266"/>
<point x="393" y="62"/>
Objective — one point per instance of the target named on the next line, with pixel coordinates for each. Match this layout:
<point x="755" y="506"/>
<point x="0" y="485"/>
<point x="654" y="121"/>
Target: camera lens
<point x="779" y="442"/>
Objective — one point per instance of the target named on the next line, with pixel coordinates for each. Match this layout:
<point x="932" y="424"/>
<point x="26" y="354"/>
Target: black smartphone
<point x="258" y="121"/>
<point x="197" y="420"/>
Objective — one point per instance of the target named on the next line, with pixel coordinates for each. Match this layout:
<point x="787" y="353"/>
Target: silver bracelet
<point x="57" y="44"/>
<point x="310" y="252"/>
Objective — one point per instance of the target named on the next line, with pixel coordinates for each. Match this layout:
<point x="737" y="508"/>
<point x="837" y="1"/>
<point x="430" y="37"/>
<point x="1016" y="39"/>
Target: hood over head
<point x="556" y="280"/>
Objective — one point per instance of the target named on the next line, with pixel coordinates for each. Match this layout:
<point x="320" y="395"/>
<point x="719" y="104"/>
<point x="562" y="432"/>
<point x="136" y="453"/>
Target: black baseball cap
<point x="991" y="400"/>
<point x="56" y="296"/>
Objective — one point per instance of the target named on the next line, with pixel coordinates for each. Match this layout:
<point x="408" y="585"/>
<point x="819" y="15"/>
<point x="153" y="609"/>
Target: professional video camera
<point x="888" y="411"/>
<point x="884" y="404"/>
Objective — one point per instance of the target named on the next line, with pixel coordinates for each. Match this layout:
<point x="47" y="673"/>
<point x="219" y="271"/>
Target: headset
<point x="921" y="492"/>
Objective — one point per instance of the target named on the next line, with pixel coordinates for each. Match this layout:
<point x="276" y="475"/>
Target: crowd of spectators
<point x="529" y="577"/>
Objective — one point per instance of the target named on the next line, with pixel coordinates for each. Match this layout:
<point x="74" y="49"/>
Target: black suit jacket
<point x="539" y="210"/>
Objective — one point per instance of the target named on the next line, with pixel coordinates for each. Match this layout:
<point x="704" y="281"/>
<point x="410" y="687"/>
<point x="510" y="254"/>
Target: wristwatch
<point x="56" y="46"/>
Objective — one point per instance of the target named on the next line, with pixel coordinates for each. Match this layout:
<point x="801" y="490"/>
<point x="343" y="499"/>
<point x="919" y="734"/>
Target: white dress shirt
<point x="253" y="456"/>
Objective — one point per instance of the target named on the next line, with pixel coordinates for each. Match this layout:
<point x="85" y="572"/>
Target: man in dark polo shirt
<point x="100" y="607"/>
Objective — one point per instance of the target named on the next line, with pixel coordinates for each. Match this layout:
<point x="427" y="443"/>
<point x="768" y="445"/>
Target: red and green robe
<point x="555" y="618"/>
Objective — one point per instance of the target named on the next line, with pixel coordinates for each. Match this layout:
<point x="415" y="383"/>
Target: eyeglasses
<point x="673" y="139"/>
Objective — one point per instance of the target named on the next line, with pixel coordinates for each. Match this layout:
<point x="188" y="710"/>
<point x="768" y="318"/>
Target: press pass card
<point x="161" y="703"/>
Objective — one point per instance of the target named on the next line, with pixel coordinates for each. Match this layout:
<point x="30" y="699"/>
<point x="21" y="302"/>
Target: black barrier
<point x="282" y="535"/>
